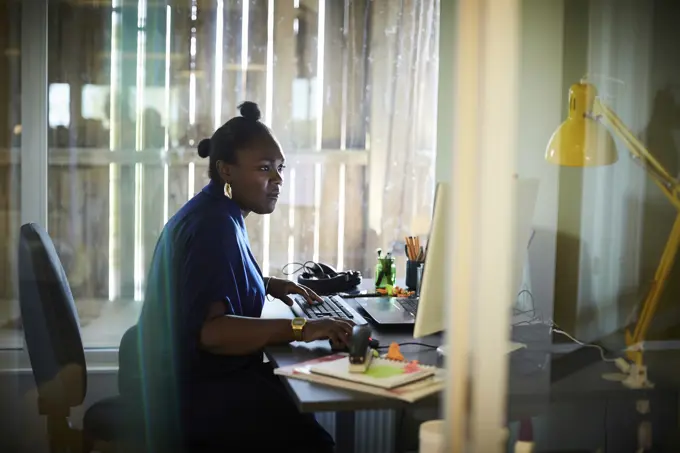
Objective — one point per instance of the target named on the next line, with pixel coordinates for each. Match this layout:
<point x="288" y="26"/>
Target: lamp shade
<point x="581" y="141"/>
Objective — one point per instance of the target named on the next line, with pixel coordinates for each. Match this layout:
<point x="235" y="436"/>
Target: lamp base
<point x="637" y="378"/>
<point x="632" y="376"/>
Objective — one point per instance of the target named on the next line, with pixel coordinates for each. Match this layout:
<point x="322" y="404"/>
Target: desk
<point x="565" y="389"/>
<point x="311" y="397"/>
<point x="528" y="386"/>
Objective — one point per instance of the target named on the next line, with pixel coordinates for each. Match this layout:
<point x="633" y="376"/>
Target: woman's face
<point x="257" y="176"/>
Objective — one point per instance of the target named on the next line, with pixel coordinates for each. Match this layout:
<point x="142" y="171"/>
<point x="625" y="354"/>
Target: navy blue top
<point x="202" y="256"/>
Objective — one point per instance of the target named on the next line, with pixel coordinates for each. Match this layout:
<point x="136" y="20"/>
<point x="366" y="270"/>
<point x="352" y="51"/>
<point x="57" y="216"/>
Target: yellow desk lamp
<point x="583" y="141"/>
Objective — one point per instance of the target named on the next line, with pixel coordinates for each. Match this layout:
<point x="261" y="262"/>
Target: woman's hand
<point x="339" y="331"/>
<point x="280" y="289"/>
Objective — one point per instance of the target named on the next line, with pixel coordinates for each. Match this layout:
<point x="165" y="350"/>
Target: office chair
<point x="55" y="348"/>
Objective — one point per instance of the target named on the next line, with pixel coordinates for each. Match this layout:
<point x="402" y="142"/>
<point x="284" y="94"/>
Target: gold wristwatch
<point x="298" y="325"/>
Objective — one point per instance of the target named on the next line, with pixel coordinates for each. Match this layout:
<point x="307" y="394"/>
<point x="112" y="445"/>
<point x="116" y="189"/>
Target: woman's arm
<point x="209" y="282"/>
<point x="237" y="335"/>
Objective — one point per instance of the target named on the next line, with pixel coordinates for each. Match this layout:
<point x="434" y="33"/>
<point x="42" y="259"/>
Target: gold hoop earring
<point x="227" y="190"/>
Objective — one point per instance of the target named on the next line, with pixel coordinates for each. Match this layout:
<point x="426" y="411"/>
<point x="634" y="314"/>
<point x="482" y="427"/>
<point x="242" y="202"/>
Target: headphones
<point x="324" y="280"/>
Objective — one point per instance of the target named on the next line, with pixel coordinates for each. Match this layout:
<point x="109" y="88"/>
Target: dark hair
<point x="235" y="134"/>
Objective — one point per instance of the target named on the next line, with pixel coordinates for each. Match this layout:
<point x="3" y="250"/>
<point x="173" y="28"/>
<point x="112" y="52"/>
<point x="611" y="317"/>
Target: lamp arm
<point x="671" y="188"/>
<point x="667" y="183"/>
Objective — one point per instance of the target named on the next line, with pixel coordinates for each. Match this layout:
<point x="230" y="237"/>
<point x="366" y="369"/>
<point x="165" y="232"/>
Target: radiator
<point x="374" y="430"/>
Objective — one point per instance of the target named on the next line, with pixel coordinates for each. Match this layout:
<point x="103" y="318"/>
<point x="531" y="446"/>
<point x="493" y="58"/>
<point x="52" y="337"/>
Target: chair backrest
<point x="129" y="376"/>
<point x="50" y="322"/>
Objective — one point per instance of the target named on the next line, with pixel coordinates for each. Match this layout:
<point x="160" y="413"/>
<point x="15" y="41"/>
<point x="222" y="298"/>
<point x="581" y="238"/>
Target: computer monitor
<point x="430" y="317"/>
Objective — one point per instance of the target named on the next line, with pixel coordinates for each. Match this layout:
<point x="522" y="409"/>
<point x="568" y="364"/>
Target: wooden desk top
<point x="529" y="366"/>
<point x="538" y="374"/>
<point x="312" y="397"/>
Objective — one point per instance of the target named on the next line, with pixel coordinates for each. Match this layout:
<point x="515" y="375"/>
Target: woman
<point x="201" y="333"/>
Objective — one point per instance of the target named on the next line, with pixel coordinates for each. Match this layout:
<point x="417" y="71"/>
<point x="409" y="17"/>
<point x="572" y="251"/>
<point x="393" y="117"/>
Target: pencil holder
<point x="420" y="278"/>
<point x="385" y="273"/>
<point x="413" y="270"/>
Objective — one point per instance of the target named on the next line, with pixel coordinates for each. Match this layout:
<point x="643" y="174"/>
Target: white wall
<point x="619" y="48"/>
<point x="599" y="231"/>
<point x="610" y="223"/>
<point x="540" y="111"/>
<point x="625" y="218"/>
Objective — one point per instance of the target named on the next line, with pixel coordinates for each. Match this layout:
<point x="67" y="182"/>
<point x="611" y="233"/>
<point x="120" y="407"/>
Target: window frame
<point x="34" y="120"/>
<point x="34" y="161"/>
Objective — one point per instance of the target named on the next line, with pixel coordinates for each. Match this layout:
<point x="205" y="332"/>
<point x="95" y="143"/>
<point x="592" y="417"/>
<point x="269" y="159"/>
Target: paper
<point x="409" y="392"/>
<point x="382" y="372"/>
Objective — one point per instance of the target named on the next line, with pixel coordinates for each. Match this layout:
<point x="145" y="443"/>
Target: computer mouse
<point x="360" y="353"/>
<point x="341" y="347"/>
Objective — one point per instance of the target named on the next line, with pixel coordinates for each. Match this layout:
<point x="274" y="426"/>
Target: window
<point x="10" y="169"/>
<point x="349" y="88"/>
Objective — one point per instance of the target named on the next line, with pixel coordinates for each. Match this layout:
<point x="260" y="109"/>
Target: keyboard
<point x="409" y="304"/>
<point x="332" y="307"/>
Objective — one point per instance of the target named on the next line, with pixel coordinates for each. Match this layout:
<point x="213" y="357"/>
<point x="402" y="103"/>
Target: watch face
<point x="299" y="322"/>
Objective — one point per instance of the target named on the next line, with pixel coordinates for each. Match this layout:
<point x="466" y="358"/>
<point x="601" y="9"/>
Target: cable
<point x="302" y="266"/>
<point x="589" y="345"/>
<point x="537" y="318"/>
<point x="531" y="298"/>
<point x="411" y="343"/>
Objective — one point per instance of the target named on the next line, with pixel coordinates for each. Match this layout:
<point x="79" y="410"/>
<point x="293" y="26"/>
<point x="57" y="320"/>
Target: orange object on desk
<point x="396" y="292"/>
<point x="394" y="353"/>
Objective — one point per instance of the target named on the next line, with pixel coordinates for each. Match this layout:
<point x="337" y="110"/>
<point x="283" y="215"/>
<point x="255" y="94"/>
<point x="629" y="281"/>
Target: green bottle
<point x="385" y="271"/>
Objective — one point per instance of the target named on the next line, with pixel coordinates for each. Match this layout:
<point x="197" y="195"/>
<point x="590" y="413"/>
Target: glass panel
<point x="597" y="260"/>
<point x="10" y="171"/>
<point x="134" y="86"/>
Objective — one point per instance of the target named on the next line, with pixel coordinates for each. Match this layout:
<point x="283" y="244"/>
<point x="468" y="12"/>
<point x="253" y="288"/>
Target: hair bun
<point x="250" y="111"/>
<point x="204" y="148"/>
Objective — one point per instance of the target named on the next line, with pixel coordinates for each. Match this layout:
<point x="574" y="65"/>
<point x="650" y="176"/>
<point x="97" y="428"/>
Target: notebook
<point x="410" y="392"/>
<point x="382" y="372"/>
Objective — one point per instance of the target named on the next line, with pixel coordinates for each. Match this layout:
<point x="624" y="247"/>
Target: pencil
<point x="410" y="249"/>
